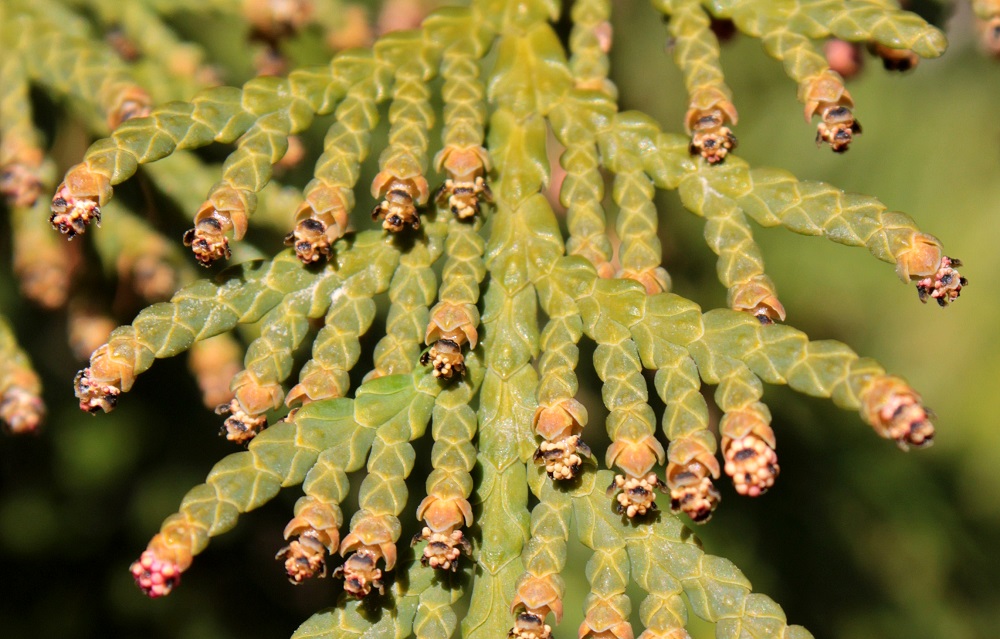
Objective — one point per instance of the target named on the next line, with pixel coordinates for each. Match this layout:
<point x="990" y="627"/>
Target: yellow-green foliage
<point x="481" y="297"/>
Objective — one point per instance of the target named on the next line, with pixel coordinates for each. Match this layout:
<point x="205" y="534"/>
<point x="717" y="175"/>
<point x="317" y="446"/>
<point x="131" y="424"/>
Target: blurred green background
<point x="857" y="540"/>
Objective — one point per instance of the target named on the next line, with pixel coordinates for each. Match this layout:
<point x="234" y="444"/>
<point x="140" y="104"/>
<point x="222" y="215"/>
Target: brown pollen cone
<point x="400" y="199"/>
<point x="945" y="285"/>
<point x="313" y="533"/>
<point x="538" y="596"/>
<point x="636" y="495"/>
<point x="710" y="137"/>
<point x="320" y="221"/>
<point x="370" y="540"/>
<point x="827" y="97"/>
<point x="446" y="542"/>
<point x="466" y="185"/>
<point x="450" y="329"/>
<point x="528" y="625"/>
<point x="748" y="449"/>
<point x="562" y="449"/>
<point x="896" y="412"/>
<point x="689" y="480"/>
<point x="78" y="201"/>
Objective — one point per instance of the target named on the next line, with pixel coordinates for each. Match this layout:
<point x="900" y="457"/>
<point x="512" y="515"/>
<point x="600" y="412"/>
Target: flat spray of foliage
<point x="489" y="293"/>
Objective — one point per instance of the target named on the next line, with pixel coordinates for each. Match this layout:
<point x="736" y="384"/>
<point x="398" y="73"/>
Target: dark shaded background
<point x="858" y="540"/>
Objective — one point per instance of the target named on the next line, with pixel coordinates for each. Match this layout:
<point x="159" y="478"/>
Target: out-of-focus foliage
<point x="854" y="540"/>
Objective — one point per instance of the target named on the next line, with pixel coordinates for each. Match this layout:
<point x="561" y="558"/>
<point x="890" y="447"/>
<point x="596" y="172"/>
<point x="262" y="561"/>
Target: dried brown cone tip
<point x="21" y="410"/>
<point x="896" y="412"/>
<point x="78" y="201"/>
<point x="945" y="285"/>
<point x="748" y="450"/>
<point x="445" y="540"/>
<point x="895" y="59"/>
<point x="689" y="480"/>
<point x="528" y="625"/>
<point x="445" y="357"/>
<point x="131" y="102"/>
<point x="400" y="199"/>
<point x="711" y="138"/>
<point x="827" y="97"/>
<point x="241" y="426"/>
<point x="758" y="298"/>
<point x="636" y="495"/>
<point x="310" y="241"/>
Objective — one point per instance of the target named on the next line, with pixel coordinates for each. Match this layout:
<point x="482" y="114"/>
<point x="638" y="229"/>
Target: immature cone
<point x="711" y="138"/>
<point x="896" y="412"/>
<point x="826" y="96"/>
<point x="445" y="540"/>
<point x="748" y="449"/>
<point x="158" y="570"/>
<point x="843" y="57"/>
<point x="601" y="624"/>
<point x="78" y="201"/>
<point x="466" y="185"/>
<point x="400" y="199"/>
<point x="945" y="285"/>
<point x="689" y="480"/>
